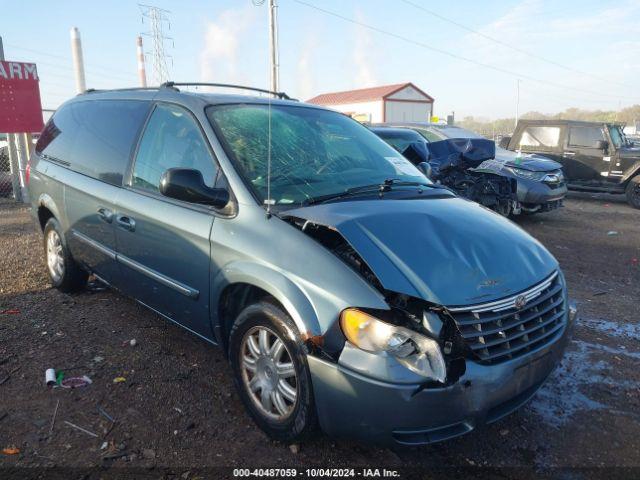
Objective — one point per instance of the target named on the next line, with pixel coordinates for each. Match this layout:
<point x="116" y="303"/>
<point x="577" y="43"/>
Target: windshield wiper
<point x="381" y="188"/>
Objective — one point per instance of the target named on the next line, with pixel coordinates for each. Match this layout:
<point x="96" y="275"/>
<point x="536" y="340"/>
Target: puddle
<point x="585" y="369"/>
<point x="612" y="329"/>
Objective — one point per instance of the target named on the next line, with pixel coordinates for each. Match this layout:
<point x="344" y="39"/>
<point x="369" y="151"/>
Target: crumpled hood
<point x="447" y="251"/>
<point x="532" y="162"/>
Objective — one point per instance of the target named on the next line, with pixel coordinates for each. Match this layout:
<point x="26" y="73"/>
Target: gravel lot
<point x="178" y="409"/>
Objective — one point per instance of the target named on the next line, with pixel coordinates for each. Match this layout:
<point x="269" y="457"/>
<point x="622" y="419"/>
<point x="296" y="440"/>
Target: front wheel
<point x="271" y="372"/>
<point x="64" y="272"/>
<point x="633" y="192"/>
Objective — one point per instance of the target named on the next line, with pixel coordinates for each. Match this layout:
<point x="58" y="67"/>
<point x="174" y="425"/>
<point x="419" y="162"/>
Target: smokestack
<point x="142" y="74"/>
<point x="78" y="61"/>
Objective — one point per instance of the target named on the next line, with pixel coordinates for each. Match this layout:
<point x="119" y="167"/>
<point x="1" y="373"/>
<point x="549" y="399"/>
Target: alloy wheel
<point x="268" y="372"/>
<point x="55" y="257"/>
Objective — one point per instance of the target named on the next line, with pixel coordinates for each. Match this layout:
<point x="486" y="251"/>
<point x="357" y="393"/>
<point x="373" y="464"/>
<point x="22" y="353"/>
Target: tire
<point x="633" y="192"/>
<point x="65" y="274"/>
<point x="299" y="419"/>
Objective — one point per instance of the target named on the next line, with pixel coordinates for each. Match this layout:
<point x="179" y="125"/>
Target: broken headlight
<point x="416" y="352"/>
<point x="528" y="174"/>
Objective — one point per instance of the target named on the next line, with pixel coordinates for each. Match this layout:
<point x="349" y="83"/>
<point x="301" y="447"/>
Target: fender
<point x="291" y="296"/>
<point x="45" y="200"/>
<point x="631" y="172"/>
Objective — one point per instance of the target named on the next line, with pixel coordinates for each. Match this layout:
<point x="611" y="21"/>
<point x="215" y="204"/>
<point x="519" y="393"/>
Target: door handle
<point x="127" y="223"/>
<point x="569" y="154"/>
<point x="105" y="214"/>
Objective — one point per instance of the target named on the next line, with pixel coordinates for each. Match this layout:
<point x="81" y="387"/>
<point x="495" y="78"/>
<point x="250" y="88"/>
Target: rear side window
<point x="94" y="137"/>
<point x="171" y="139"/>
<point x="585" y="136"/>
<point x="540" y="136"/>
<point x="52" y="142"/>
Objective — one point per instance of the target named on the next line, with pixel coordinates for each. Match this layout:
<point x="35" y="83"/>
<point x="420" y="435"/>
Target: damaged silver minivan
<point x="349" y="292"/>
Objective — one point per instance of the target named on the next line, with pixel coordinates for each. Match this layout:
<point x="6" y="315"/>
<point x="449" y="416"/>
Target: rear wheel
<point x="65" y="274"/>
<point x="271" y="372"/>
<point x="633" y="192"/>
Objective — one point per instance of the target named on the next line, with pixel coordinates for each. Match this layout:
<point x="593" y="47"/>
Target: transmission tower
<point x="158" y="18"/>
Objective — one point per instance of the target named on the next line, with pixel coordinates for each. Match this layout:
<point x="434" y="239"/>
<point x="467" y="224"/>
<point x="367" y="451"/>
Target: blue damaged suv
<point x="349" y="292"/>
<point x="540" y="183"/>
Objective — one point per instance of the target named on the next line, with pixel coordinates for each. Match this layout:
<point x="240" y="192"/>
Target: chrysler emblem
<point x="520" y="302"/>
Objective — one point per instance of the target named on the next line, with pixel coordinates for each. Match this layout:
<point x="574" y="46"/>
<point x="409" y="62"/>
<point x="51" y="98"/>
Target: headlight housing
<point x="528" y="174"/>
<point x="416" y="352"/>
<point x="554" y="177"/>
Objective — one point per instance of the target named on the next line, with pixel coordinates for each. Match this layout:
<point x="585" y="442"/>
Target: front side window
<point x="172" y="139"/>
<point x="585" y="136"/>
<point x="313" y="152"/>
<point x="540" y="136"/>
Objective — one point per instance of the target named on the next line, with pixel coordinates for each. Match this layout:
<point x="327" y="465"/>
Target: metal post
<point x="78" y="61"/>
<point x="14" y="167"/>
<point x="23" y="149"/>
<point x="142" y="74"/>
<point x="273" y="44"/>
<point x="517" y="101"/>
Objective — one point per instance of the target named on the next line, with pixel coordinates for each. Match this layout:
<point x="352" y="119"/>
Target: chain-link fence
<point x="14" y="157"/>
<point x="6" y="184"/>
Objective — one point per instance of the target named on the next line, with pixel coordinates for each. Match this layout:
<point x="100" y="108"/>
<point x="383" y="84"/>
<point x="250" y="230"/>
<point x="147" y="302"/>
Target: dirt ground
<point x="178" y="409"/>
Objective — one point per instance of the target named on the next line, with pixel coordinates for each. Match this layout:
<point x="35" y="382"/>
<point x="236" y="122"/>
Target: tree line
<point x="504" y="126"/>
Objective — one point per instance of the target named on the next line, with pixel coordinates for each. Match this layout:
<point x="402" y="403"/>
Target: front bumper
<point x="532" y="193"/>
<point x="353" y="405"/>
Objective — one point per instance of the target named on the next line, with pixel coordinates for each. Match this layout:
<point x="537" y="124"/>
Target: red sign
<point x="20" y="107"/>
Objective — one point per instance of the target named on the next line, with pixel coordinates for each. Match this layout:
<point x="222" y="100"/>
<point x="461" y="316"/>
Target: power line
<point x="456" y="56"/>
<point x="63" y="57"/>
<point x="119" y="78"/>
<point x="515" y="49"/>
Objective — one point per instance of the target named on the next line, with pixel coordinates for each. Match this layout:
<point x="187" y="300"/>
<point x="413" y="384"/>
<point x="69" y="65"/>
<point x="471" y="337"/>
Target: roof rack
<point x="98" y="90"/>
<point x="280" y="95"/>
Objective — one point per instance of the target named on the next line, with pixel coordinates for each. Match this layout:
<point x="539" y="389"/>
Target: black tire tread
<point x="633" y="193"/>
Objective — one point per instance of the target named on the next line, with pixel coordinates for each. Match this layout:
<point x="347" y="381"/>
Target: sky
<point x="468" y="55"/>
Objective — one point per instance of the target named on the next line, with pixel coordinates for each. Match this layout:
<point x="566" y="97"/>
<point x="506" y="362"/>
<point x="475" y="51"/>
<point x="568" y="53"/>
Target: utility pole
<point x="142" y="74"/>
<point x="517" y="101"/>
<point x="273" y="44"/>
<point x="158" y="18"/>
<point x="78" y="60"/>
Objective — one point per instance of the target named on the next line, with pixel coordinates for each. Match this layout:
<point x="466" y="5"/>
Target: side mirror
<point x="187" y="184"/>
<point x="416" y="152"/>
<point x="425" y="168"/>
<point x="601" y="145"/>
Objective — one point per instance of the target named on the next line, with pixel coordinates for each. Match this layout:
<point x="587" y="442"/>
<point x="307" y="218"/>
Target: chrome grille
<point x="499" y="331"/>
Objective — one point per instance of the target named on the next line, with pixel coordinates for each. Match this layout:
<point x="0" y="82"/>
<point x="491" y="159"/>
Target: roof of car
<point x="409" y="125"/>
<point x="565" y="122"/>
<point x="183" y="96"/>
<point x="386" y="128"/>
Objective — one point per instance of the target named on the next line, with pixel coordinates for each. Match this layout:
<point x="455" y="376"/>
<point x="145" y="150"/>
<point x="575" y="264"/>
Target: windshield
<point x="617" y="137"/>
<point x="398" y="139"/>
<point x="436" y="133"/>
<point x="457" y="132"/>
<point x="314" y="152"/>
